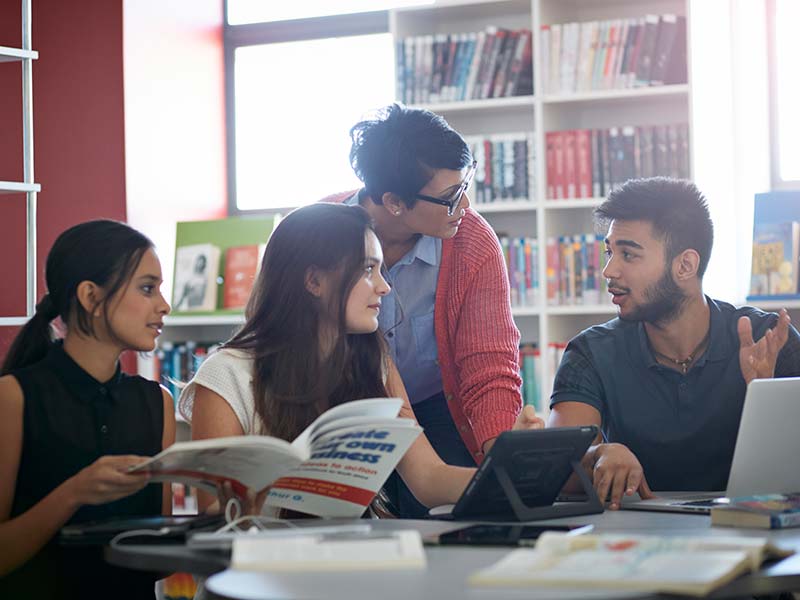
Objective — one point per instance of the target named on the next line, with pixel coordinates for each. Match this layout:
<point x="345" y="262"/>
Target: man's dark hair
<point x="399" y="150"/>
<point x="676" y="209"/>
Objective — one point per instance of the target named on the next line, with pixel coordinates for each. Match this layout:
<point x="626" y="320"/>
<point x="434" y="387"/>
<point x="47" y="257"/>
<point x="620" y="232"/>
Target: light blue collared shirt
<point x="412" y="341"/>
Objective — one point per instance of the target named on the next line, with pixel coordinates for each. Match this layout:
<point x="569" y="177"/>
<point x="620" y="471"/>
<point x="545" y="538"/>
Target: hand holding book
<point x="334" y="468"/>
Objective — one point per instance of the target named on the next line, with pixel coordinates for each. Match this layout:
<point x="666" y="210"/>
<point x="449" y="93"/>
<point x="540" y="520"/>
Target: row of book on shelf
<point x="197" y="280"/>
<point x="575" y="266"/>
<point x="494" y="63"/>
<point x="581" y="163"/>
<point x="584" y="163"/>
<point x="506" y="164"/>
<point x="531" y="363"/>
<point x="174" y="364"/>
<point x="576" y="57"/>
<point x="613" y="54"/>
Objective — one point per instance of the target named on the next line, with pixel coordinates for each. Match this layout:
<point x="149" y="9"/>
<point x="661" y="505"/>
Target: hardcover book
<point x="766" y="511"/>
<point x="195" y="284"/>
<point x="242" y="264"/>
<point x="776" y="247"/>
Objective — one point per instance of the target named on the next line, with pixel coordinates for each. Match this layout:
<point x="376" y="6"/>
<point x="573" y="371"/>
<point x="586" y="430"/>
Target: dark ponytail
<point x="104" y="252"/>
<point x="35" y="338"/>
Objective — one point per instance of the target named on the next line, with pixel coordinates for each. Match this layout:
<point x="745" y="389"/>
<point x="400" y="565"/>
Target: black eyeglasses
<point x="453" y="201"/>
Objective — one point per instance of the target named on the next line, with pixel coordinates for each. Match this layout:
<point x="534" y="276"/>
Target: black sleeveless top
<point x="70" y="420"/>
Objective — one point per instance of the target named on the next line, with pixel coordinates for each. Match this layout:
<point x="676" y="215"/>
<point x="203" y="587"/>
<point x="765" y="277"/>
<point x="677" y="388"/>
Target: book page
<point x="245" y="461"/>
<point x="369" y="407"/>
<point x="346" y="468"/>
<point x="695" y="573"/>
<point x="331" y="552"/>
<point x="349" y="422"/>
<point x="689" y="565"/>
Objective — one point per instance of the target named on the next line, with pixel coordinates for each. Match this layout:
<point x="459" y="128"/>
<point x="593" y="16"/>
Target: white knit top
<point x="229" y="373"/>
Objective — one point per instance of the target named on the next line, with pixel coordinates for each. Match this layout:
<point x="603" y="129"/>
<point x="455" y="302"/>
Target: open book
<point x="333" y="469"/>
<point x="681" y="565"/>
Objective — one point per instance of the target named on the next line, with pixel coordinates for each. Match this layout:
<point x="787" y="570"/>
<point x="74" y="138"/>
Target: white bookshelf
<point x="506" y="207"/>
<point x="540" y="217"/>
<point x="617" y="94"/>
<point x="467" y="106"/>
<point x="184" y="320"/>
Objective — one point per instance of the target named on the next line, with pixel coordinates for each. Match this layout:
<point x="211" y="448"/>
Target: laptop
<point x="763" y="460"/>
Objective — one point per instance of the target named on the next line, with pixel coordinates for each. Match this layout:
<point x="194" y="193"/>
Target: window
<point x="294" y="89"/>
<point x="785" y="93"/>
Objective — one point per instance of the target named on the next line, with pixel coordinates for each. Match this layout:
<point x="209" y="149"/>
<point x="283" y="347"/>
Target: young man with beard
<point x="665" y="380"/>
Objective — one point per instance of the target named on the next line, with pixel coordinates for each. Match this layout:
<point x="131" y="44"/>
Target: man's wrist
<point x="593" y="454"/>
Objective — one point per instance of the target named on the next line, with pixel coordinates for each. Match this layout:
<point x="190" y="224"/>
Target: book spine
<point x="474" y="67"/>
<point x="648" y="50"/>
<point x="597" y="180"/>
<point x="677" y="68"/>
<point x="553" y="269"/>
<point x="667" y="32"/>
<point x="785" y="520"/>
<point x="583" y="153"/>
<point x="570" y="164"/>
<point x="544" y="40"/>
<point x="559" y="178"/>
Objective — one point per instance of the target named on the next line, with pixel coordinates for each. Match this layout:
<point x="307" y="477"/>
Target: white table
<point x="448" y="567"/>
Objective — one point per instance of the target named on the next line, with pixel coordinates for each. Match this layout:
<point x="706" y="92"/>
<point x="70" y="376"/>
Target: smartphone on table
<point x="503" y="535"/>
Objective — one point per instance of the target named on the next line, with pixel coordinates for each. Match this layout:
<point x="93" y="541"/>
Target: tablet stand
<point x="522" y="512"/>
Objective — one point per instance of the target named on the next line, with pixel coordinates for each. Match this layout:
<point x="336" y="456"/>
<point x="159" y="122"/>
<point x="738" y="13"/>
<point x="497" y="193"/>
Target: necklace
<point x="687" y="362"/>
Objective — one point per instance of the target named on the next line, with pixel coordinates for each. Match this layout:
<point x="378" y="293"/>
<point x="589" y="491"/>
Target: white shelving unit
<point x="25" y="55"/>
<point x="540" y="217"/>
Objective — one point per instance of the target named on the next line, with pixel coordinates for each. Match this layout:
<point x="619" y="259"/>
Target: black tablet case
<point x="523" y="473"/>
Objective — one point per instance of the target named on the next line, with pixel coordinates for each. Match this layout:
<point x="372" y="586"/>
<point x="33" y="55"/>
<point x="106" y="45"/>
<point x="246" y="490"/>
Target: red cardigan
<point x="477" y="340"/>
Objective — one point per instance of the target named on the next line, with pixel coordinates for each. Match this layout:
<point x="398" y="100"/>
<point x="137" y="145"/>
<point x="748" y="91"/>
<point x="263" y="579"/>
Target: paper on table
<point x="390" y="550"/>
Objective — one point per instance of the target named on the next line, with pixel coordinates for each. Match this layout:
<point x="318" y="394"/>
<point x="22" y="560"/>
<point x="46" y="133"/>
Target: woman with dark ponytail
<point x="71" y="423"/>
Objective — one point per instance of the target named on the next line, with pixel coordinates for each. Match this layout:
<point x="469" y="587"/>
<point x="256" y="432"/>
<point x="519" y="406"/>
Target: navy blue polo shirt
<point x="682" y="428"/>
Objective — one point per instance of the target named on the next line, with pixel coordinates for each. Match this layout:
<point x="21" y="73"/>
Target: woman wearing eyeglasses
<point x="448" y="319"/>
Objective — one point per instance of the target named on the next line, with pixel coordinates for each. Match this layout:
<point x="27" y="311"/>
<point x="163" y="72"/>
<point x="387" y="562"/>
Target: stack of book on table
<point x="766" y="511"/>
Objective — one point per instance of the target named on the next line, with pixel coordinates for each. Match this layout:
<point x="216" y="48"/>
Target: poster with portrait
<point x="195" y="284"/>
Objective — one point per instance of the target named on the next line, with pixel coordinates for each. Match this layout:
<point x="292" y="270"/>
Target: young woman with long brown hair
<point x="310" y="342"/>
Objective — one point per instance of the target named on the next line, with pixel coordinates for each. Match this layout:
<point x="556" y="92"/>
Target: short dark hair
<point x="399" y="150"/>
<point x="676" y="209"/>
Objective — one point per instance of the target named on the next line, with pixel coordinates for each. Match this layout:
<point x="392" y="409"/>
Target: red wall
<point x="79" y="145"/>
<point x="171" y="166"/>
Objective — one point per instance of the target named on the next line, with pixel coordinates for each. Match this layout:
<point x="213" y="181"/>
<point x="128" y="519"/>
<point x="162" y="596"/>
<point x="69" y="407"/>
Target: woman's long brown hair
<point x="292" y="382"/>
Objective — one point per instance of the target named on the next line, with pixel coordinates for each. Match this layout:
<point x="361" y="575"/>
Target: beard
<point x="663" y="302"/>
